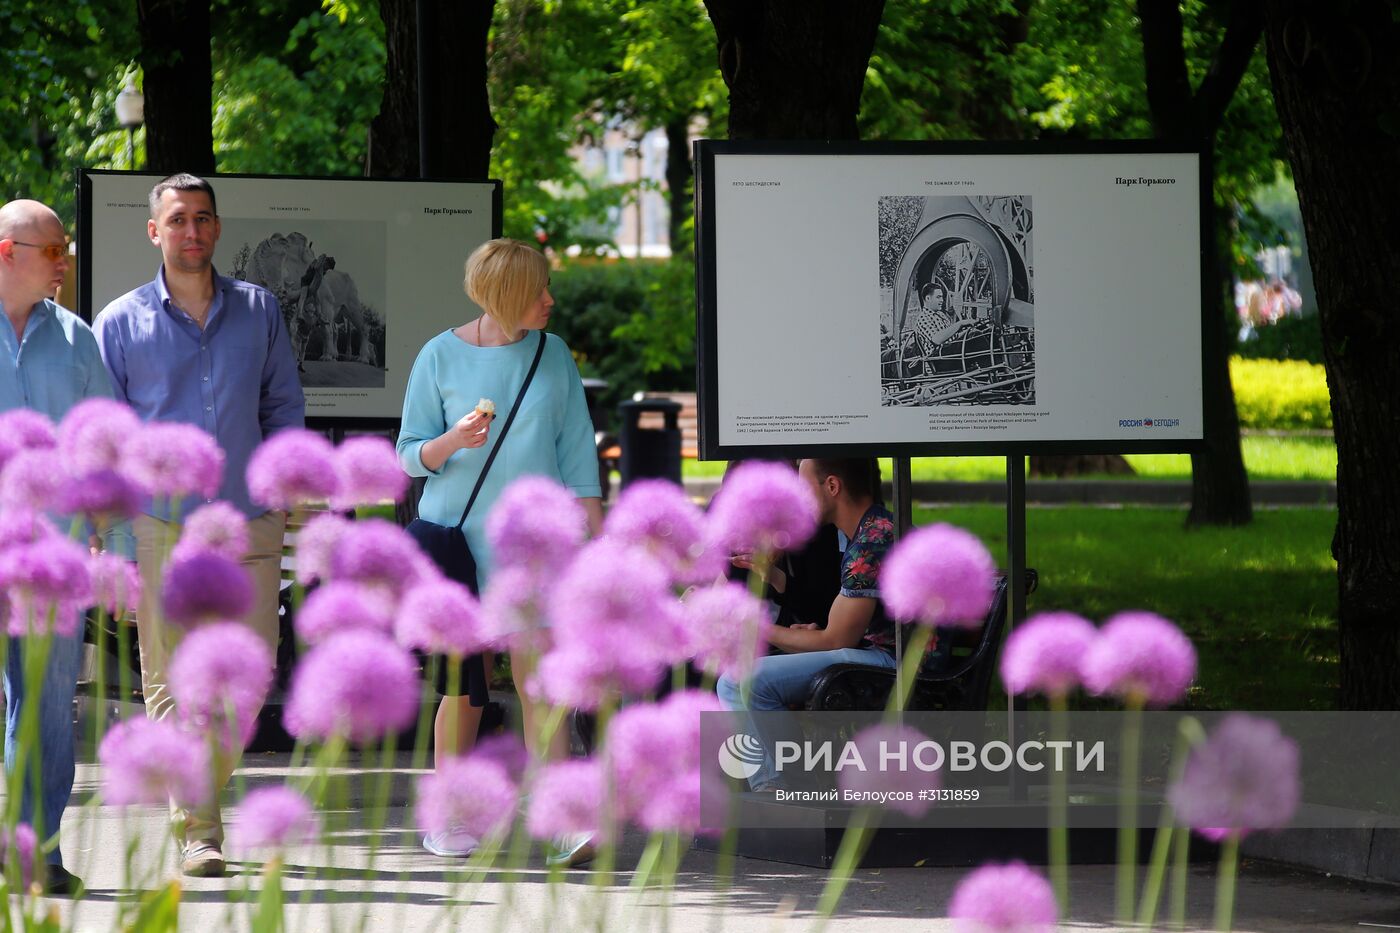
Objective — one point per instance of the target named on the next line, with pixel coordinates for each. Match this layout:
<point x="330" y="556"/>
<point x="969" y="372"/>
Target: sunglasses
<point x="53" y="252"/>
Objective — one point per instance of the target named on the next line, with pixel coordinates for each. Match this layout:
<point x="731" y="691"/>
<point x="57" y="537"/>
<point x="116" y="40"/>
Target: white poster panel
<point x="366" y="271"/>
<point x="993" y="299"/>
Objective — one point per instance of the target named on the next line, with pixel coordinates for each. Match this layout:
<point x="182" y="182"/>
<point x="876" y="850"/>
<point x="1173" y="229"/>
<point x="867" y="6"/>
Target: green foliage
<point x="1281" y="395"/>
<point x="62" y="66"/>
<point x="940" y="69"/>
<point x="631" y="323"/>
<point x="303" y="106"/>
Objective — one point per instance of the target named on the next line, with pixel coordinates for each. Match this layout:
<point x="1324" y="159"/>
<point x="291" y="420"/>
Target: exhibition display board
<point x="366" y="270"/>
<point x="926" y="298"/>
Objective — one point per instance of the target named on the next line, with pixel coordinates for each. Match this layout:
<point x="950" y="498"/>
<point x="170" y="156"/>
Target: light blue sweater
<point x="552" y="434"/>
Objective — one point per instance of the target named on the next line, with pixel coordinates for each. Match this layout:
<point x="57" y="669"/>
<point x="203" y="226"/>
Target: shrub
<point x="631" y="322"/>
<point x="1281" y="395"/>
<point x="1290" y="338"/>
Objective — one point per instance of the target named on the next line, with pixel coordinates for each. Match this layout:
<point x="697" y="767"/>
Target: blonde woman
<point x="446" y="439"/>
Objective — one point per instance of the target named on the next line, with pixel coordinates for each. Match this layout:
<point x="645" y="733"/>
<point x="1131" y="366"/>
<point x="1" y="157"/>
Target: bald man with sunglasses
<point x="50" y="362"/>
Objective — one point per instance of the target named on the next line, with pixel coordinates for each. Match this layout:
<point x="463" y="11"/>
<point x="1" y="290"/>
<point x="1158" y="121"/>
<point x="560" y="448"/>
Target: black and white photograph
<point x="366" y="270"/>
<point x="956" y="301"/>
<point x="329" y="277"/>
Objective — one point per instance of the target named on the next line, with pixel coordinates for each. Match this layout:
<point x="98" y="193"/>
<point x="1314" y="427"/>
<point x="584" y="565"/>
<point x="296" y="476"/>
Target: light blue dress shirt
<point x="53" y="365"/>
<point x="552" y="434"/>
<point x="236" y="379"/>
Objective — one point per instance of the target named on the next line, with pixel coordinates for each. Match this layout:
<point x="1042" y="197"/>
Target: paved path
<point x="404" y="888"/>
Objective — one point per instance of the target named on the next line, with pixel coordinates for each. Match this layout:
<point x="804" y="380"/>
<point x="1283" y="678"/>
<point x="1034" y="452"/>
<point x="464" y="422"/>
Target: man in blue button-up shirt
<point x="48" y="362"/>
<point x="194" y="346"/>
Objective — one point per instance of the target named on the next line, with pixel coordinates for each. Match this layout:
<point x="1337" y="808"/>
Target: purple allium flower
<point x="1140" y="657"/>
<point x="358" y="684"/>
<point x="507" y="749"/>
<point x="1008" y="898"/>
<point x="24" y="844"/>
<point x="275" y="818"/>
<point x="473" y="793"/>
<point x="653" y="750"/>
<point x="340" y="606"/>
<point x="899" y="773"/>
<point x="567" y="797"/>
<point x="217" y="527"/>
<point x="152" y="761"/>
<point x="1243" y="778"/>
<point x="728" y="629"/>
<point x="367" y="472"/>
<point x="379" y="554"/>
<point x="762" y="507"/>
<point x="292" y="468"/>
<point x="939" y="575"/>
<point x="47" y="583"/>
<point x="612" y="594"/>
<point x="31" y="479"/>
<point x="116" y="583"/>
<point x="95" y="435"/>
<point x="535" y="523"/>
<point x="24" y="526"/>
<point x="658" y="516"/>
<point x="221" y="673"/>
<point x="316" y="542"/>
<point x="513" y="611"/>
<point x="440" y="617"/>
<point x="175" y="460"/>
<point x="24" y="429"/>
<point x="1043" y="655"/>
<point x="104" y="494"/>
<point x="204" y="586"/>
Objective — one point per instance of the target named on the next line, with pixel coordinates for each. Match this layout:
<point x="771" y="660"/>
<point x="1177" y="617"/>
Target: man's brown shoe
<point x="202" y="859"/>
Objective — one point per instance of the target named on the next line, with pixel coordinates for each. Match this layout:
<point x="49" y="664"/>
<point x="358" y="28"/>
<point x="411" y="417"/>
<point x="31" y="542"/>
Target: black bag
<point x="447" y="545"/>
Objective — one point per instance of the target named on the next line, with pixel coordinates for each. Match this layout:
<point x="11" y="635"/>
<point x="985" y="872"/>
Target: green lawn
<point x="1266" y="458"/>
<point x="1259" y="602"/>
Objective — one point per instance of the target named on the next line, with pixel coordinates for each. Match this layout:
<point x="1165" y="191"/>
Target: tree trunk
<point x="393" y="135"/>
<point x="1336" y="78"/>
<point x="678" y="172"/>
<point x="458" y="105"/>
<point x="179" y="85"/>
<point x="1219" y="483"/>
<point x="795" y="68"/>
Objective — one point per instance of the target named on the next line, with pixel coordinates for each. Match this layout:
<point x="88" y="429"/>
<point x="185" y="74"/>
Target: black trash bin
<point x="650" y="452"/>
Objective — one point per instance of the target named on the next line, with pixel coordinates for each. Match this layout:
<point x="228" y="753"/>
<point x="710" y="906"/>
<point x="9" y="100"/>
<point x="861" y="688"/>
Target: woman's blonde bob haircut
<point x="506" y="277"/>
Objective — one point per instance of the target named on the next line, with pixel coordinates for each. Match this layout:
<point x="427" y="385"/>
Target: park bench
<point x="962" y="682"/>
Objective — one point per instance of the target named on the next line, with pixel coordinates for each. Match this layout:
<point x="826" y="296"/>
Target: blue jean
<point x="55" y="748"/>
<point x="782" y="680"/>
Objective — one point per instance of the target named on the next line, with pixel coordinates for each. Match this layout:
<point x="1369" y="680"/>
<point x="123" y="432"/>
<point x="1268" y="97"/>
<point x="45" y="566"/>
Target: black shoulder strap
<point x="500" y="438"/>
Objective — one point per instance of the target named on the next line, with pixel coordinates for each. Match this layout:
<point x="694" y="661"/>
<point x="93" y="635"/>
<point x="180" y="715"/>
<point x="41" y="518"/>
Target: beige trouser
<point x="158" y="641"/>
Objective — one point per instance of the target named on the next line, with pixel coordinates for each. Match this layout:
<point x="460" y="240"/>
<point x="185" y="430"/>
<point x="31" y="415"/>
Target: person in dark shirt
<point x="856" y="630"/>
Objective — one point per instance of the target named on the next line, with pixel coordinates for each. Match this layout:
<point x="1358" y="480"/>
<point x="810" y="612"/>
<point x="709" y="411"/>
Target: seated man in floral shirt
<point x="857" y="630"/>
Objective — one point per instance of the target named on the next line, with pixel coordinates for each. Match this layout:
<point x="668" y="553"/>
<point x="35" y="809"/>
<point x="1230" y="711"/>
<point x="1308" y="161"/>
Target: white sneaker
<point x="571" y="850"/>
<point x="454" y="843"/>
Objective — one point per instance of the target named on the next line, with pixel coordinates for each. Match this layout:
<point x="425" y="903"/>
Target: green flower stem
<point x="99" y="719"/>
<point x="1127" y="811"/>
<point x="908" y="672"/>
<point x="1189" y="732"/>
<point x="1181" y="845"/>
<point x="123" y="669"/>
<point x="854" y="841"/>
<point x="269" y="915"/>
<point x="861" y="829"/>
<point x="1225" y="882"/>
<point x="1059" y="809"/>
